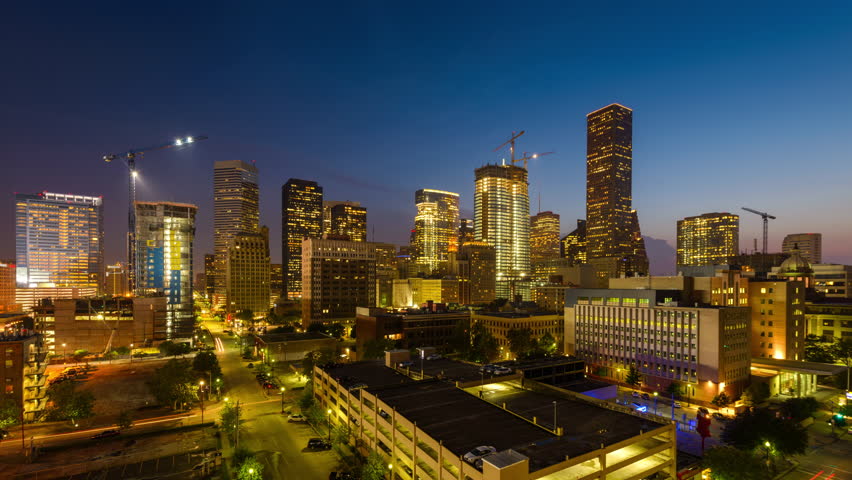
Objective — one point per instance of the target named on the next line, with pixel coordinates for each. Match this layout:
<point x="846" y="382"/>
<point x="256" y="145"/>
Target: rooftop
<point x="373" y="373"/>
<point x="292" y="337"/>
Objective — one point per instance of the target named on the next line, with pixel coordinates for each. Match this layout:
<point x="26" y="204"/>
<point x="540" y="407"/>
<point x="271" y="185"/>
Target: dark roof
<point x="372" y="373"/>
<point x="292" y="337"/>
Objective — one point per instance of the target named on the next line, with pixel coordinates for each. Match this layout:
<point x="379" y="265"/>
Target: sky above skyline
<point x="734" y="106"/>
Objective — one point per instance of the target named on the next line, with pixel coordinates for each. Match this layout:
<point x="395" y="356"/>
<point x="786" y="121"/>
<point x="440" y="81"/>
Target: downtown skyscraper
<point x="348" y="220"/>
<point x="235" y="210"/>
<point x="301" y="218"/>
<point x="501" y="206"/>
<point x="544" y="236"/>
<point x="59" y="240"/>
<point x="436" y="227"/>
<point x="614" y="241"/>
<point x="708" y="239"/>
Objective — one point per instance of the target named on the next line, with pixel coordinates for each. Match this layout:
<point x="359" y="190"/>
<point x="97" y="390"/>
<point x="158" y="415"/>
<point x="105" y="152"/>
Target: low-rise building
<point x="416" y="328"/>
<point x="499" y="324"/>
<point x="23" y="373"/>
<point x="832" y="280"/>
<point x="286" y="347"/>
<point x="414" y="292"/>
<point x="830" y="320"/>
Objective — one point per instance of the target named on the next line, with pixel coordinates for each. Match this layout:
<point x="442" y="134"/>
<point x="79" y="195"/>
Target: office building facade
<point x="467" y="230"/>
<point x="501" y="216"/>
<point x="777" y="319"/>
<point x="614" y="242"/>
<point x="59" y="240"/>
<point x="165" y="233"/>
<point x="116" y="281"/>
<point x="349" y="221"/>
<point x="809" y="245"/>
<point x="338" y="276"/>
<point x="235" y="209"/>
<point x="209" y="276"/>
<point x="544" y="236"/>
<point x="708" y="239"/>
<point x="573" y="246"/>
<point x="247" y="273"/>
<point x="436" y="228"/>
<point x="301" y="218"/>
<point x="23" y="373"/>
<point x="476" y="269"/>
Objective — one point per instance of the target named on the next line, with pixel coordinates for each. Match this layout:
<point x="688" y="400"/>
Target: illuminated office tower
<point x="466" y="231"/>
<point x="350" y="221"/>
<point x="614" y="243"/>
<point x="708" y="239"/>
<point x="436" y="227"/>
<point x="235" y="209"/>
<point x="247" y="274"/>
<point x="301" y="218"/>
<point x="809" y="244"/>
<point x="477" y="272"/>
<point x="573" y="245"/>
<point x="327" y="227"/>
<point x="544" y="236"/>
<point x="338" y="277"/>
<point x="501" y="206"/>
<point x="209" y="276"/>
<point x="59" y="240"/>
<point x="165" y="232"/>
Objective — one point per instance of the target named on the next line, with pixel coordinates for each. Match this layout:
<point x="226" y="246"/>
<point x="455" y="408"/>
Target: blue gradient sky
<point x="734" y="105"/>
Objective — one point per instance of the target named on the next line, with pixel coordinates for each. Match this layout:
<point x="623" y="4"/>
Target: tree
<point x="817" y="349"/>
<point x="750" y="430"/>
<point x="842" y="351"/>
<point x="206" y="361"/>
<point x="250" y="469"/>
<point x="125" y="420"/>
<point x="306" y="401"/>
<point x="520" y="341"/>
<point x="374" y="467"/>
<point x="729" y="463"/>
<point x="10" y="413"/>
<point x="172" y="349"/>
<point x="756" y="393"/>
<point x="248" y="352"/>
<point x="79" y="355"/>
<point x="484" y="347"/>
<point x="547" y="344"/>
<point x="68" y="403"/>
<point x="230" y="417"/>
<point x="174" y="384"/>
<point x="674" y="389"/>
<point x="336" y="330"/>
<point x="341" y="434"/>
<point x="352" y="332"/>
<point x="315" y="414"/>
<point x="317" y="327"/>
<point x="460" y="339"/>
<point x="376" y="348"/>
<point x="721" y="400"/>
<point x="799" y="409"/>
<point x="122" y="350"/>
<point x="633" y="378"/>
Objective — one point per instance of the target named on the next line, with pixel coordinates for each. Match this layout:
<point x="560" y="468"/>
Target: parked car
<point x="318" y="444"/>
<point x="107" y="434"/>
<point x="405" y="364"/>
<point x="502" y="371"/>
<point x="261" y="376"/>
<point x="677" y="405"/>
<point x="250" y="365"/>
<point x="434" y="356"/>
<point x="479" y="452"/>
<point x="635" y="394"/>
<point x="270" y="385"/>
<point x="295" y="417"/>
<point x="384" y="414"/>
<point x="645" y="396"/>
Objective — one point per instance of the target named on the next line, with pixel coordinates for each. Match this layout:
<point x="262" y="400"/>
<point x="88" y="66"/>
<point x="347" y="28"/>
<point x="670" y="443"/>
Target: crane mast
<point x="766" y="218"/>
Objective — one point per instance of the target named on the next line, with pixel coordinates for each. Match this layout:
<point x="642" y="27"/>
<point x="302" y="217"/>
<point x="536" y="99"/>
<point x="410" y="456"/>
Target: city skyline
<point x="720" y="77"/>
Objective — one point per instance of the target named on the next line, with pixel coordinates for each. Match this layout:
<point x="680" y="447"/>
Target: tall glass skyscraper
<point x="436" y="227"/>
<point x="544" y="236"/>
<point x="614" y="243"/>
<point x="164" y="235"/>
<point x="301" y="218"/>
<point x="350" y="221"/>
<point x="708" y="239"/>
<point x="501" y="206"/>
<point x="59" y="240"/>
<point x="235" y="210"/>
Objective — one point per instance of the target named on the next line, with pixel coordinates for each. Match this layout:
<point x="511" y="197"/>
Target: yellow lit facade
<point x="544" y="236"/>
<point x="350" y="221"/>
<point x="614" y="244"/>
<point x="708" y="239"/>
<point x="809" y="245"/>
<point x="235" y="209"/>
<point x="248" y="273"/>
<point x="573" y="245"/>
<point x="436" y="227"/>
<point x="501" y="218"/>
<point x="301" y="217"/>
<point x="777" y="319"/>
<point x="59" y="240"/>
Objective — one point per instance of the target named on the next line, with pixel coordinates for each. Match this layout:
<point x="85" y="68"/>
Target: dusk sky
<point x="735" y="105"/>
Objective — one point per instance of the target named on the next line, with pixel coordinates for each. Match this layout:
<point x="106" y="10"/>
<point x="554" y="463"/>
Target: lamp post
<point x="554" y="416"/>
<point x="655" y="403"/>
<point x="328" y="417"/>
<point x="201" y="397"/>
<point x="390" y="470"/>
<point x="282" y="399"/>
<point x="218" y="387"/>
<point x="64" y="355"/>
<point x="131" y="353"/>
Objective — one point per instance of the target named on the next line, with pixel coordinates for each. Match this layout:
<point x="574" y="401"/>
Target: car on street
<point x="318" y="444"/>
<point x="270" y="385"/>
<point x="106" y="434"/>
<point x="635" y="394"/>
<point x="645" y="396"/>
<point x="479" y="452"/>
<point x="295" y="417"/>
<point x="676" y="405"/>
<point x="502" y="371"/>
<point x="433" y="356"/>
<point x="639" y="407"/>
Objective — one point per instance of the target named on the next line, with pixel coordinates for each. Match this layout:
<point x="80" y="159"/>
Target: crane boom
<point x="530" y="157"/>
<point x="130" y="158"/>
<point x="766" y="218"/>
<point x="511" y="143"/>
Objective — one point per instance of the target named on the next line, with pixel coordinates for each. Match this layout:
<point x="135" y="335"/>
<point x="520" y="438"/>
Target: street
<point x="278" y="444"/>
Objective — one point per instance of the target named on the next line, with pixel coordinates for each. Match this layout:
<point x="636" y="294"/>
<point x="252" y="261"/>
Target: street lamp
<point x="328" y="417"/>
<point x="282" y="399"/>
<point x="131" y="353"/>
<point x="554" y="416"/>
<point x="201" y="397"/>
<point x="390" y="468"/>
<point x="64" y="355"/>
<point x="655" y="403"/>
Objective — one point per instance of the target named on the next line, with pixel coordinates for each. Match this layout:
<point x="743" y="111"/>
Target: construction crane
<point x="129" y="158"/>
<point x="766" y="218"/>
<point x="527" y="156"/>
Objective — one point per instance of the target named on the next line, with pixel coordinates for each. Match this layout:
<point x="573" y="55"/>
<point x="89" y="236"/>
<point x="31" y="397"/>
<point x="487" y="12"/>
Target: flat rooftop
<point x="447" y="369"/>
<point x="373" y="373"/>
<point x="292" y="337"/>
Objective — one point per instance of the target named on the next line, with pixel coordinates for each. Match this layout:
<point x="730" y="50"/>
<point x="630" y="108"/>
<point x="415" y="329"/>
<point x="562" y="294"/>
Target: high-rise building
<point x="809" y="244"/>
<point x="386" y="273"/>
<point x="235" y="209"/>
<point x="276" y="280"/>
<point x="614" y="244"/>
<point x="436" y="227"/>
<point x="544" y="236"/>
<point x="23" y="371"/>
<point x="116" y="284"/>
<point x="301" y="218"/>
<point x="59" y="240"/>
<point x="477" y="273"/>
<point x="467" y="231"/>
<point x="165" y="232"/>
<point x="338" y="276"/>
<point x="327" y="227"/>
<point x="7" y="287"/>
<point x="210" y="276"/>
<point x="778" y="326"/>
<point x="708" y="239"/>
<point x="349" y="221"/>
<point x="247" y="274"/>
<point x="501" y="214"/>
<point x="573" y="245"/>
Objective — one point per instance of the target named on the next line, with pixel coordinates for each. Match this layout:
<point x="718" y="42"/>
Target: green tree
<point x="374" y="467"/>
<point x="248" y="352"/>
<point x="315" y="414"/>
<point x="306" y="401"/>
<point x="721" y="400"/>
<point x="207" y="362"/>
<point x="174" y="384"/>
<point x="376" y="348"/>
<point x="842" y="351"/>
<point x="10" y="413"/>
<point x="122" y="350"/>
<point x="548" y="344"/>
<point x="460" y="339"/>
<point x="166" y="348"/>
<point x="729" y="463"/>
<point x="352" y="332"/>
<point x="817" y="349"/>
<point x="520" y="342"/>
<point x="674" y="389"/>
<point x="341" y="434"/>
<point x="756" y="393"/>
<point x="250" y="469"/>
<point x="79" y="355"/>
<point x="750" y="430"/>
<point x="68" y="403"/>
<point x="799" y="408"/>
<point x="633" y="378"/>
<point x="230" y="417"/>
<point x="484" y="347"/>
<point x="125" y="420"/>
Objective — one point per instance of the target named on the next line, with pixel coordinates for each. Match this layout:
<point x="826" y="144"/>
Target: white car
<point x="433" y="356"/>
<point x="479" y="452"/>
<point x="296" y="417"/>
<point x="677" y="405"/>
